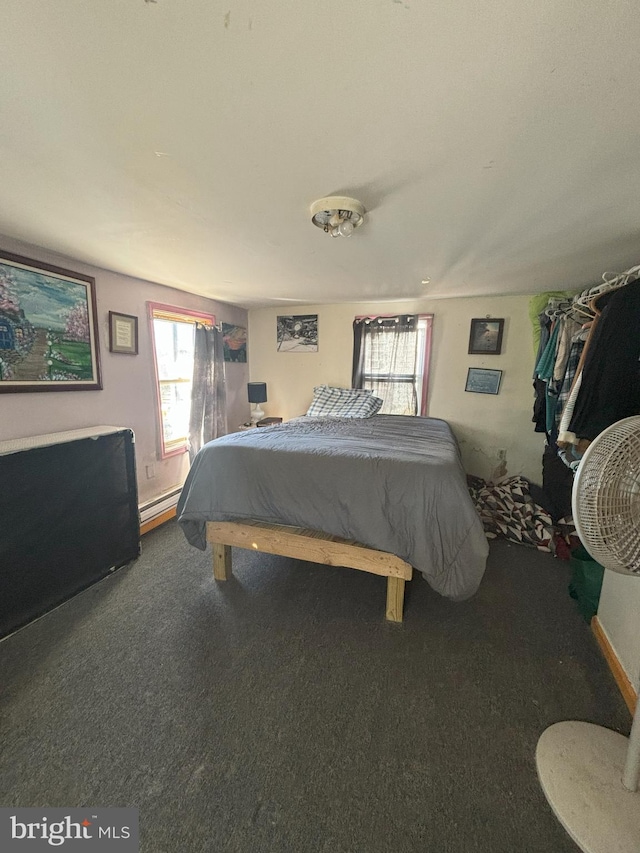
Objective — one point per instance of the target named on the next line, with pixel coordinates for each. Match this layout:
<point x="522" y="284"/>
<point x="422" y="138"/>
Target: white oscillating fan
<point x="590" y="774"/>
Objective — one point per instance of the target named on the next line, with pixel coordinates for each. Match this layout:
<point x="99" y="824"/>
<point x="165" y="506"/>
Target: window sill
<point x="173" y="451"/>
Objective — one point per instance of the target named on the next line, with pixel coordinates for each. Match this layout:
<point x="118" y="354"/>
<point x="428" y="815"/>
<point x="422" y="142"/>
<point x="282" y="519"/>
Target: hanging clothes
<point x="575" y="351"/>
<point x="568" y="330"/>
<point x="540" y="386"/>
<point x="610" y="386"/>
<point x="544" y="371"/>
<point x="537" y="305"/>
<point x="556" y="326"/>
<point x="565" y="436"/>
<point x="540" y="405"/>
<point x="544" y="367"/>
<point x="544" y="333"/>
<point x="587" y="373"/>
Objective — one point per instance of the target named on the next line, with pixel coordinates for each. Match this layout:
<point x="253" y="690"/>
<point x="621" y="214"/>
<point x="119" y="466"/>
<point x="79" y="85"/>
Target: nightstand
<point x="244" y="427"/>
<point x="269" y="422"/>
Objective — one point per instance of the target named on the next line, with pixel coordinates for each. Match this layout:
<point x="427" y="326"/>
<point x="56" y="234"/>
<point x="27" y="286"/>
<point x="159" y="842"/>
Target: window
<point x="173" y="340"/>
<point x="391" y="357"/>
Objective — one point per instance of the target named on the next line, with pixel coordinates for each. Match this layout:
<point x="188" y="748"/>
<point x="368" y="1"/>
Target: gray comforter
<point x="391" y="482"/>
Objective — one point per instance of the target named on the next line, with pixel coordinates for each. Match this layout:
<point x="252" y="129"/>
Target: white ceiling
<point x="495" y="143"/>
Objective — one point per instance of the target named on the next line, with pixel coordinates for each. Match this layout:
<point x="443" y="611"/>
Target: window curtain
<point x="387" y="360"/>
<point x="357" y="372"/>
<point x="208" y="417"/>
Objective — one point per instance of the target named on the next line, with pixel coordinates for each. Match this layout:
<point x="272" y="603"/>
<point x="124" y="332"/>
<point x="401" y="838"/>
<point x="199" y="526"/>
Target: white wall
<point x="484" y="424"/>
<point x="619" y="615"/>
<point x="128" y="394"/>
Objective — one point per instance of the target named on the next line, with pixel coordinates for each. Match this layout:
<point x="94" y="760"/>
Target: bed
<point x="385" y="494"/>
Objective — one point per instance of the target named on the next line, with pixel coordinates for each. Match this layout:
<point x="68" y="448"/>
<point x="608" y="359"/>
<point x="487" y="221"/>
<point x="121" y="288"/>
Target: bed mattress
<point x="391" y="482"/>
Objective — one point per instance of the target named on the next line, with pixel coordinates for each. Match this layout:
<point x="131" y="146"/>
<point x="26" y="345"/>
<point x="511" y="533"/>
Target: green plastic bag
<point x="586" y="582"/>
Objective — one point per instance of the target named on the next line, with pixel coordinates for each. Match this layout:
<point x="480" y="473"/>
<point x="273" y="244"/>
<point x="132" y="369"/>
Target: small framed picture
<point x="482" y="381"/>
<point x="234" y="341"/>
<point x="486" y="337"/>
<point x="123" y="333"/>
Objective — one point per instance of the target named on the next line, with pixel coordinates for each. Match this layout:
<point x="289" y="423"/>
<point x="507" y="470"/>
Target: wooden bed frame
<point x="312" y="546"/>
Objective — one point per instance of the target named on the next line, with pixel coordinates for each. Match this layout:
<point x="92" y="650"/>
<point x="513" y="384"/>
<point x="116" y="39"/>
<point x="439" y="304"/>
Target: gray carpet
<point x="280" y="712"/>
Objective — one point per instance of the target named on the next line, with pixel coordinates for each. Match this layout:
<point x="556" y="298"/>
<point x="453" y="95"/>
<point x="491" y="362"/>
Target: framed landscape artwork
<point x="485" y="337"/>
<point x="48" y="328"/>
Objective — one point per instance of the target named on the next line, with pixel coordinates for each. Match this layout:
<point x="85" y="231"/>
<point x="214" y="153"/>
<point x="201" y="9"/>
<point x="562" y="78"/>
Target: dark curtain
<point x="358" y="354"/>
<point x="208" y="393"/>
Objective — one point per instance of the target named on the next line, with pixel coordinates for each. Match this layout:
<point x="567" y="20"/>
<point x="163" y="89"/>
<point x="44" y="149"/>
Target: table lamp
<point x="257" y="394"/>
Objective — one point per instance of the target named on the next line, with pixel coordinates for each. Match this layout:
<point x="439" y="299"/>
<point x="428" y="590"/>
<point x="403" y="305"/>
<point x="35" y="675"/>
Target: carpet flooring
<point x="280" y="712"/>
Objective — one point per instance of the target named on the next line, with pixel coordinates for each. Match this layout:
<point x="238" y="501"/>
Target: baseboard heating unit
<point x="152" y="509"/>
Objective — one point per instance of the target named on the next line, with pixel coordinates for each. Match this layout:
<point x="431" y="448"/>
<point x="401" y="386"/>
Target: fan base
<point x="580" y="768"/>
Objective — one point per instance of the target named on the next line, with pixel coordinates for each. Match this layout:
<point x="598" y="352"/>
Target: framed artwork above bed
<point x="297" y="333"/>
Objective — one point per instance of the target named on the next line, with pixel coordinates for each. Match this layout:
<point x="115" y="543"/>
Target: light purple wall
<point x="128" y="395"/>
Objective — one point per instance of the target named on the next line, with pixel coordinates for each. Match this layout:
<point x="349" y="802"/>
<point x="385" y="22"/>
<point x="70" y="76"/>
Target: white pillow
<point x="329" y="402"/>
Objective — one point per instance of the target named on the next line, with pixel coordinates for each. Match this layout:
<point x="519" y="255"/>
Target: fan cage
<point x="606" y="497"/>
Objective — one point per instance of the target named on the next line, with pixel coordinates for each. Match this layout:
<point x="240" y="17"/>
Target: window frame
<point x="426" y="355"/>
<point x="162" y="311"/>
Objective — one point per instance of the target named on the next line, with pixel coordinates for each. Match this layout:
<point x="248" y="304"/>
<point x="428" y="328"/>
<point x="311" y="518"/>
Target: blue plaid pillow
<point x="329" y="402"/>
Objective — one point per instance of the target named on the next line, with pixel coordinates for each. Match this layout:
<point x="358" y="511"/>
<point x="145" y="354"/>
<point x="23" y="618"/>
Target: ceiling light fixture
<point x="337" y="215"/>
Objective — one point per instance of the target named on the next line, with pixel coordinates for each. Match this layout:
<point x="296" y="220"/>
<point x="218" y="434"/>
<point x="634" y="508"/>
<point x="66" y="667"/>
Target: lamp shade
<point x="257" y="392"/>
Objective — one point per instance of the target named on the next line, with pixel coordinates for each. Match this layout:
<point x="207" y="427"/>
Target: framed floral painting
<point x="48" y="328"/>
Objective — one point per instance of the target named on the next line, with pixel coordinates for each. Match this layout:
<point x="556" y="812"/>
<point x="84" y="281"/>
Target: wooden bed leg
<point x="395" y="599"/>
<point x="221" y="561"/>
